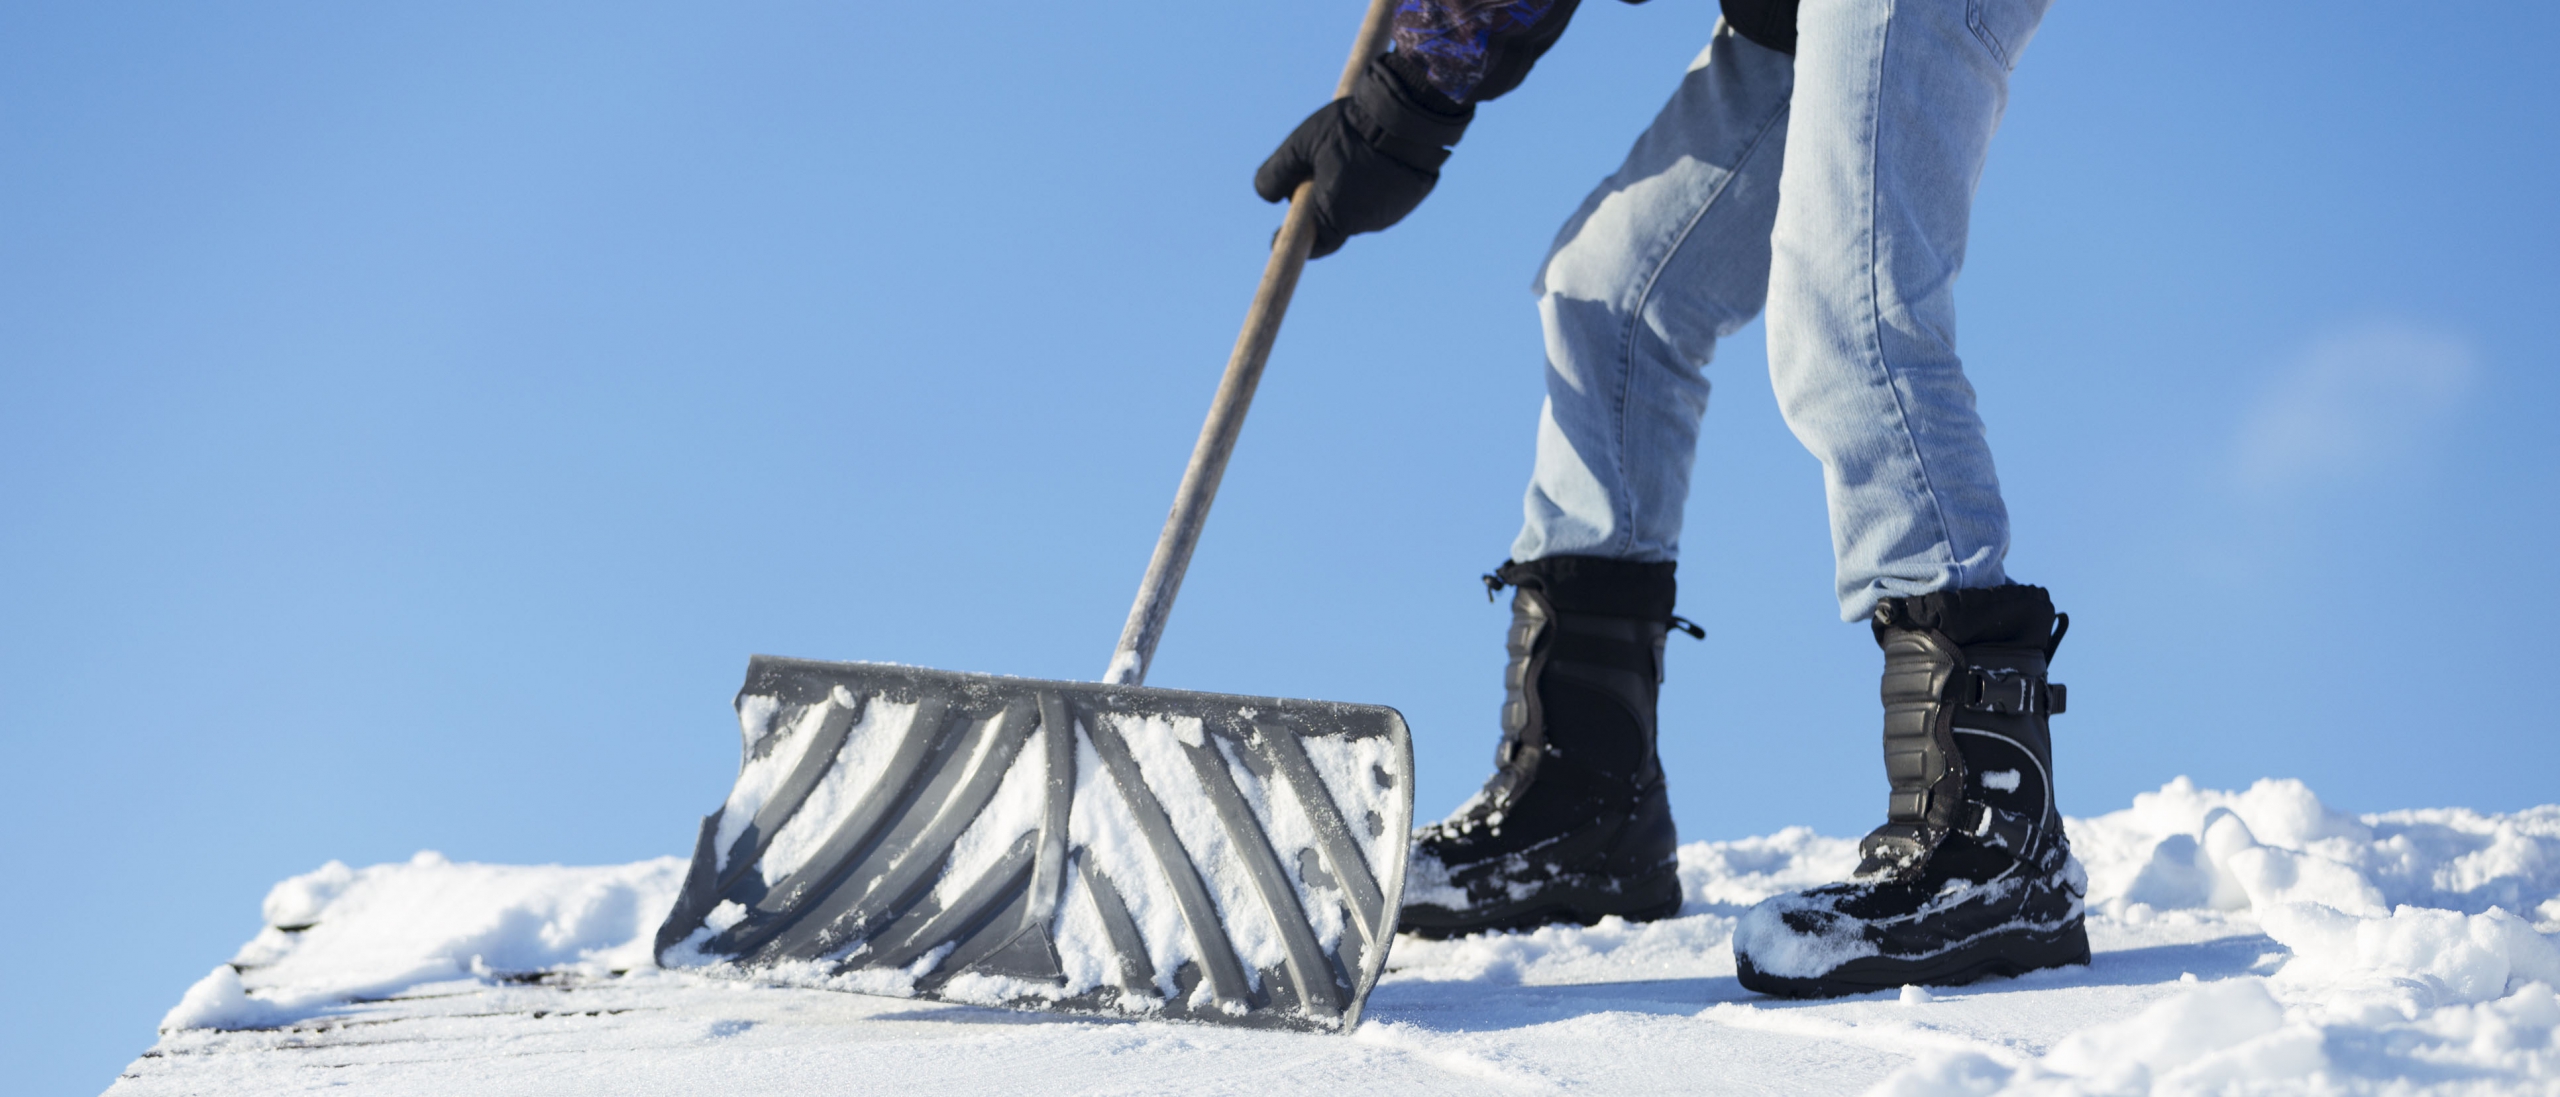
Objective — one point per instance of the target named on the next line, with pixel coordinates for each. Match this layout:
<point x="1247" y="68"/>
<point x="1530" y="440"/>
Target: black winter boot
<point x="1573" y="826"/>
<point x="1970" y="875"/>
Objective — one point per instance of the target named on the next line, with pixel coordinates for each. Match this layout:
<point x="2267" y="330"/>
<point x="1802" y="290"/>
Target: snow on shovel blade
<point x="1114" y="850"/>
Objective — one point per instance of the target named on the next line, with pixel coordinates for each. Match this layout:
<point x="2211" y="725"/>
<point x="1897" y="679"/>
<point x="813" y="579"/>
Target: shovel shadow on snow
<point x="1452" y="1006"/>
<point x="1469" y="1006"/>
<point x="1460" y="1005"/>
<point x="962" y="1013"/>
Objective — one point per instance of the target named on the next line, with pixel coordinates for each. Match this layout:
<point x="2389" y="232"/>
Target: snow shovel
<point x="1106" y="849"/>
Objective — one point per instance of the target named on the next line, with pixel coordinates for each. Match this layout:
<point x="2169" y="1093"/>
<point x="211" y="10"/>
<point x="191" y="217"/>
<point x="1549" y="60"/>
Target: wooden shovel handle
<point x="1137" y="650"/>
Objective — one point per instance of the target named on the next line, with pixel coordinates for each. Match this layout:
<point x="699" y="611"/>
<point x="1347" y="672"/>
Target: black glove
<point x="1373" y="155"/>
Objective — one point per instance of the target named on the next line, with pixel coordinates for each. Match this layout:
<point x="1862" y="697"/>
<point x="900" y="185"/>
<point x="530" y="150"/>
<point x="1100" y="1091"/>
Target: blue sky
<point x="411" y="418"/>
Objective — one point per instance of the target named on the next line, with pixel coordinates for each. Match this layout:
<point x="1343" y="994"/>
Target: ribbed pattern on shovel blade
<point x="882" y="895"/>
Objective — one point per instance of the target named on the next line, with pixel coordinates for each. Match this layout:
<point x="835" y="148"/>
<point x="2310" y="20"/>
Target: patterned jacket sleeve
<point x="1474" y="50"/>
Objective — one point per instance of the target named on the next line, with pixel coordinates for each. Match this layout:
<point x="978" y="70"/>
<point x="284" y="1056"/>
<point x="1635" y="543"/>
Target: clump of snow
<point x="1124" y="667"/>
<point x="298" y="901"/>
<point x="1427" y="883"/>
<point x="219" y="1001"/>
<point x="996" y="990"/>
<point x="2457" y="957"/>
<point x="337" y="933"/>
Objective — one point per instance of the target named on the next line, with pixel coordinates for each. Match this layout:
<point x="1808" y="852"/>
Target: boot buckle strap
<point x="1998" y="828"/>
<point x="2011" y="693"/>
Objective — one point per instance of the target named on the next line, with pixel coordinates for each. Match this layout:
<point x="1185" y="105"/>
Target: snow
<point x="1284" y="820"/>
<point x="1014" y="811"/>
<point x="220" y="1000"/>
<point x="1780" y="950"/>
<point x="381" y="930"/>
<point x="2454" y="957"/>
<point x="1351" y="769"/>
<point x="1101" y="824"/>
<point x="859" y="764"/>
<point x="1159" y="745"/>
<point x="770" y="756"/>
<point x="2246" y="941"/>
<point x="1124" y="669"/>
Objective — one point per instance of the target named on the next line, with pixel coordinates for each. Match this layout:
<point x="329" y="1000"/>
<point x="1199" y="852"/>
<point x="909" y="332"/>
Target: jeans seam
<point x="1875" y="305"/>
<point x="1981" y="28"/>
<point x="1624" y="539"/>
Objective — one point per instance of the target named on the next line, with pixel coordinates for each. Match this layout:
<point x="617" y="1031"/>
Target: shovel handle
<point x="1137" y="650"/>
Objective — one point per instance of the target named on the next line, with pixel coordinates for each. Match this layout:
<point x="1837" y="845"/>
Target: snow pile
<point x="2184" y="847"/>
<point x="1731" y="877"/>
<point x="336" y="933"/>
<point x="219" y="1000"/>
<point x="2439" y="902"/>
<point x="2406" y="958"/>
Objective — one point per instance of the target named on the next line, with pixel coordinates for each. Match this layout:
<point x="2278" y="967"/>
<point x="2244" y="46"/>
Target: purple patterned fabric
<point x="1473" y="50"/>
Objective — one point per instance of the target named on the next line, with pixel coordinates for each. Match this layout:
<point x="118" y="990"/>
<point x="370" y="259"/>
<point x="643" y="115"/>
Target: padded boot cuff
<point x="1597" y="584"/>
<point x="2013" y="616"/>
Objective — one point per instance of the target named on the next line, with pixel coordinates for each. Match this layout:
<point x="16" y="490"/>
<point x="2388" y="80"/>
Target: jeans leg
<point x="1667" y="256"/>
<point x="1895" y="104"/>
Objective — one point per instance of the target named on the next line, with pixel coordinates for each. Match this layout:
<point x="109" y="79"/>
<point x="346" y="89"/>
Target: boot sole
<point x="2002" y="954"/>
<point x="1574" y="901"/>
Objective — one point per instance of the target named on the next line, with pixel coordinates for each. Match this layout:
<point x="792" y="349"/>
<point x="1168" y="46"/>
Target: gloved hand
<point x="1373" y="155"/>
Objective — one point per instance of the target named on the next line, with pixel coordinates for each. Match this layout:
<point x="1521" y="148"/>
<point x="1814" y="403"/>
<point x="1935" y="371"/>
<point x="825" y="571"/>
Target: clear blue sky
<point x="412" y="417"/>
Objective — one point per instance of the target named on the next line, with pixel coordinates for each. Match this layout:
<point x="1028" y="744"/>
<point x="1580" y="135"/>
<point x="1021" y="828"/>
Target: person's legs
<point x="1895" y="104"/>
<point x="1970" y="876"/>
<point x="1667" y="256"/>
<point x="1664" y="258"/>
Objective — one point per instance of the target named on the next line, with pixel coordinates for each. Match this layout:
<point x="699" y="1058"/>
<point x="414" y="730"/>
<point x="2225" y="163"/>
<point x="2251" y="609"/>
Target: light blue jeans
<point x="1881" y="121"/>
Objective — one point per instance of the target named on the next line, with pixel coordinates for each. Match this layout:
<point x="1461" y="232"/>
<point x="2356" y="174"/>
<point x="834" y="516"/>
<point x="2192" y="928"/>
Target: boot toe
<point x="1797" y="937"/>
<point x="1857" y="938"/>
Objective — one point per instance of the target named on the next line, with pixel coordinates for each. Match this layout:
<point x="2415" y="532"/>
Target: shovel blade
<point x="1069" y="846"/>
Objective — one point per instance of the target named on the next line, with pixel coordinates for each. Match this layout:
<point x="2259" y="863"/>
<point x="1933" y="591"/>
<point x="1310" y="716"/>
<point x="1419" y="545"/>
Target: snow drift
<point x="335" y="933"/>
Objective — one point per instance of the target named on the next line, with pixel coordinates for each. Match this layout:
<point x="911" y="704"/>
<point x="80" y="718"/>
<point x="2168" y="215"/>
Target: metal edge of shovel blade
<point x="939" y="877"/>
